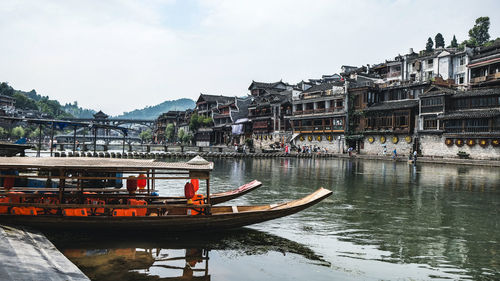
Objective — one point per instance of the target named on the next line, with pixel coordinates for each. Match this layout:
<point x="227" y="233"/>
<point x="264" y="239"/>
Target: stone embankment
<point x="208" y="155"/>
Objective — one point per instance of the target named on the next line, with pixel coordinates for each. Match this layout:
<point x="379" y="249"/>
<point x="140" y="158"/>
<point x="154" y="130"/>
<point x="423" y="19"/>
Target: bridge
<point x="101" y="117"/>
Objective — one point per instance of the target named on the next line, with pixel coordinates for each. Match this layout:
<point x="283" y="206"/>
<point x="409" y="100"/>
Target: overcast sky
<point x="119" y="55"/>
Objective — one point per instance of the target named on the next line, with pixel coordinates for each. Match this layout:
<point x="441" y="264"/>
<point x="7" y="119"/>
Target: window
<point x="430" y="62"/>
<point x="462" y="60"/>
<point x="460" y="78"/>
<point x="430" y="123"/>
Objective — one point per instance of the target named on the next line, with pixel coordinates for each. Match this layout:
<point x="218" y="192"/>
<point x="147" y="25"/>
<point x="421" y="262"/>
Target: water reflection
<point x="114" y="256"/>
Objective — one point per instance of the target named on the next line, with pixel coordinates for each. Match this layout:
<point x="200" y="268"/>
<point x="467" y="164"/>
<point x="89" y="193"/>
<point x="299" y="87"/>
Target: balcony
<point x="318" y="129"/>
<point x="478" y="129"/>
<point x="478" y="79"/>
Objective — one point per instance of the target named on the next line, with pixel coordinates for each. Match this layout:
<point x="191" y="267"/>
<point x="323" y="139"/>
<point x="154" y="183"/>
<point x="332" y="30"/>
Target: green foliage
<point x="198" y="121"/>
<point x="184" y="137"/>
<point x="169" y="132"/>
<point x="428" y="46"/>
<point x="180" y="134"/>
<point x="187" y="138"/>
<point x="479" y="33"/>
<point x="35" y="133"/>
<point x="454" y="42"/>
<point x="77" y="111"/>
<point x="249" y="142"/>
<point x="439" y="40"/>
<point x="18" y="132"/>
<point x="5" y="89"/>
<point x="146" y="135"/>
<point x="3" y="132"/>
<point x="24" y="102"/>
<point x="152" y="112"/>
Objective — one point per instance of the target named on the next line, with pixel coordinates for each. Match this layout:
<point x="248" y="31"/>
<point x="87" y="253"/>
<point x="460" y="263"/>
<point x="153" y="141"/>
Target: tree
<point x="439" y="40"/>
<point x="18" y="132"/>
<point x="428" y="46"/>
<point x="35" y="134"/>
<point x="454" y="42"/>
<point x="479" y="33"/>
<point x="24" y="102"/>
<point x="3" y="132"/>
<point x="187" y="138"/>
<point x="146" y="135"/>
<point x="169" y="132"/>
<point x="180" y="134"/>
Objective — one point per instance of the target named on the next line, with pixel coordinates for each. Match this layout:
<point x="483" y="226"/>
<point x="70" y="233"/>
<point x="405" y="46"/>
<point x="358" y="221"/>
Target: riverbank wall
<point x="208" y="155"/>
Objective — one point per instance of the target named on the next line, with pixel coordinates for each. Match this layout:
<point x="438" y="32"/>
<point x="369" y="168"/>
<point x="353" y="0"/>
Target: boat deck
<point x="29" y="255"/>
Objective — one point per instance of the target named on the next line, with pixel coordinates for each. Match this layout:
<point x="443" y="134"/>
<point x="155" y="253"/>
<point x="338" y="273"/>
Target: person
<point x="395" y="154"/>
<point x="286" y="149"/>
<point x="414" y="156"/>
<point x="350" y="151"/>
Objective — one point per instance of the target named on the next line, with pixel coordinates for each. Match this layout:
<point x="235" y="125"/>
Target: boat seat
<point x="235" y="209"/>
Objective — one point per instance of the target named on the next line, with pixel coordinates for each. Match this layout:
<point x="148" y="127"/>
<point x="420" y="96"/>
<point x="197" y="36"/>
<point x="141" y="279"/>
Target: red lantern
<point x="131" y="184"/>
<point x="141" y="181"/>
<point x="459" y="142"/>
<point x="189" y="190"/>
<point x="196" y="184"/>
<point x="448" y="142"/>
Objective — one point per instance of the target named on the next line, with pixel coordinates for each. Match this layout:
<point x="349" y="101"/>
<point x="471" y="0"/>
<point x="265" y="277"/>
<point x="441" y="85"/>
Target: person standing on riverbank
<point x="395" y="154"/>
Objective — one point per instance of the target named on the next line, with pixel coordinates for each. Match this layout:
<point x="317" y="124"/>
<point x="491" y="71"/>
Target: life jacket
<point x="24" y="211"/>
<point x="95" y="201"/>
<point x="80" y="212"/>
<point x="124" y="213"/>
<point x="140" y="211"/>
<point x="5" y="209"/>
<point x="197" y="200"/>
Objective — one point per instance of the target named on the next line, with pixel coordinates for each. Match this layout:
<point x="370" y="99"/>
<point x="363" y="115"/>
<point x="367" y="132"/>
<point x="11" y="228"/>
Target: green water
<point x="384" y="221"/>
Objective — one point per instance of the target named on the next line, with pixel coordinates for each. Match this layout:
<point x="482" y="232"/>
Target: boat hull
<point x="219" y="220"/>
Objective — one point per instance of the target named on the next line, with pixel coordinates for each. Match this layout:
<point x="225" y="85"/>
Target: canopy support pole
<point x="39" y="140"/>
<point x="51" y="138"/>
<point x="74" y="139"/>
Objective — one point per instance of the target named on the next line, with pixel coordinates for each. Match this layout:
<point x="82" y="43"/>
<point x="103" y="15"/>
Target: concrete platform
<point x="29" y="255"/>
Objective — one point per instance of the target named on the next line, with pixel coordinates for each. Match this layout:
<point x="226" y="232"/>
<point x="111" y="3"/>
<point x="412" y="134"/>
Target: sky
<point x="120" y="55"/>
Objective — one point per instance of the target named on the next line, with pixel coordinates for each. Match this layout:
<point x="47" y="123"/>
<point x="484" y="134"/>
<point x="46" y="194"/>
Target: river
<point x="384" y="221"/>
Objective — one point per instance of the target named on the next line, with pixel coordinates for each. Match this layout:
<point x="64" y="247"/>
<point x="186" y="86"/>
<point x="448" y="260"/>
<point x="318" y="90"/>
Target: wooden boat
<point x="11" y="149"/>
<point x="62" y="210"/>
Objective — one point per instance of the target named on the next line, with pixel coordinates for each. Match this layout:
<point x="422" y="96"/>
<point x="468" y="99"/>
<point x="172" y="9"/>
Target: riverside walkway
<point x="29" y="255"/>
<point x="226" y="154"/>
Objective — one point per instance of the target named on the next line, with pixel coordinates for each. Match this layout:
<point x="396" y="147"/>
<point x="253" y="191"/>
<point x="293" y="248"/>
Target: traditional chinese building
<point x="173" y="117"/>
<point x="269" y="112"/>
<point x="207" y="105"/>
<point x="485" y="67"/>
<point x="390" y="122"/>
<point x="319" y="117"/>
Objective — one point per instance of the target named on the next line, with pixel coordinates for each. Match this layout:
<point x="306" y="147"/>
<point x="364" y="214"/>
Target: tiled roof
<point x="477" y="92"/>
<point x="214" y="98"/>
<point x="393" y="105"/>
<point x="470" y="114"/>
<point x="322" y="87"/>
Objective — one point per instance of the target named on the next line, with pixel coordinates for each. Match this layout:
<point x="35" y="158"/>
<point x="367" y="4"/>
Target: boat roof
<point x="98" y="163"/>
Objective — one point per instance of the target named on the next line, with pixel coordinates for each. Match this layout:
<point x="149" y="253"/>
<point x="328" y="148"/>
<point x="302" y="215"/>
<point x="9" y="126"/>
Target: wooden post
<point x="74" y="139"/>
<point x="95" y="140"/>
<point x="39" y="140"/>
<point x="51" y="138"/>
<point x="123" y="143"/>
<point x="209" y="211"/>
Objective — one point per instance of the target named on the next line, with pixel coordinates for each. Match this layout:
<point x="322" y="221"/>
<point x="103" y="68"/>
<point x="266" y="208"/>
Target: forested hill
<point x="33" y="101"/>
<point x="152" y="112"/>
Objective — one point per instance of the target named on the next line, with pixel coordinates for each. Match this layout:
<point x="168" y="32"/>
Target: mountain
<point x="152" y="112"/>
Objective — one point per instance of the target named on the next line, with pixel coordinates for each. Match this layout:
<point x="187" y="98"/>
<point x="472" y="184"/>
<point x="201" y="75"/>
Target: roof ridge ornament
<point x="198" y="160"/>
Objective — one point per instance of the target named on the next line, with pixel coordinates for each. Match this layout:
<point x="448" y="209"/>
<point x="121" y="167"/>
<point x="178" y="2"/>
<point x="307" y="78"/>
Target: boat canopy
<point x="99" y="163"/>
